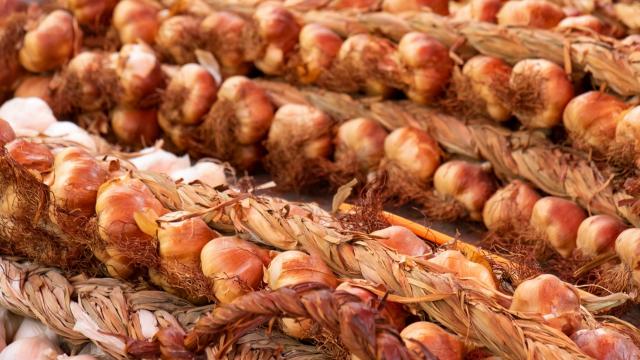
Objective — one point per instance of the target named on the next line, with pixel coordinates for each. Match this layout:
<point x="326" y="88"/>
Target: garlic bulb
<point x="31" y="155"/>
<point x="541" y="90"/>
<point x="318" y="47"/>
<point x="531" y="13"/>
<point x="557" y="220"/>
<point x="90" y="82"/>
<point x="628" y="249"/>
<point x="510" y="207"/>
<point x="428" y="63"/>
<point x="557" y="302"/>
<point x="27" y="115"/>
<point x="591" y="119"/>
<point x="441" y="344"/>
<point x="597" y="234"/>
<point x="177" y="37"/>
<point x="6" y="133"/>
<point x="117" y="203"/>
<point x="160" y="161"/>
<point x="51" y="43"/>
<point x="413" y="151"/>
<point x="454" y="262"/>
<point x="440" y="7"/>
<point x="306" y="127"/>
<point x="30" y="328"/>
<point x="485" y="10"/>
<point x="91" y="12"/>
<point x="361" y="141"/>
<point x="35" y="86"/>
<point x="189" y="95"/>
<point x="467" y="183"/>
<point x="135" y="126"/>
<point x="68" y="131"/>
<point x="402" y="240"/>
<point x="139" y="73"/>
<point x="34" y="348"/>
<point x="136" y="20"/>
<point x="222" y="34"/>
<point x="582" y="22"/>
<point x="278" y="28"/>
<point x="487" y="79"/>
<point x="606" y="344"/>
<point x="235" y="265"/>
<point x="207" y="172"/>
<point x="76" y="179"/>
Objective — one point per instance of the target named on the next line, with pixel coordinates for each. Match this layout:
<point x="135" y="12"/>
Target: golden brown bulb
<point x="235" y="265"/>
<point x="90" y="81"/>
<point x="510" y="207"/>
<point x="488" y="80"/>
<point x="441" y="344"/>
<point x="557" y="220"/>
<point x="606" y="344"/>
<point x="360" y="140"/>
<point x="222" y="33"/>
<point x="278" y="28"/>
<point x="539" y="14"/>
<point x="176" y="38"/>
<point x="413" y="151"/>
<point x="295" y="267"/>
<point x="135" y="126"/>
<point x="31" y="155"/>
<point x="36" y="86"/>
<point x="628" y="249"/>
<point x="91" y="12"/>
<point x="196" y="89"/>
<point x="440" y="7"/>
<point x="556" y="302"/>
<point x="582" y="22"/>
<point x="402" y="240"/>
<point x="302" y="123"/>
<point x="7" y="134"/>
<point x="52" y="42"/>
<point x="628" y="134"/>
<point x="318" y="47"/>
<point x="453" y="261"/>
<point x="183" y="241"/>
<point x="136" y="20"/>
<point x="77" y="175"/>
<point x="597" y="234"/>
<point x="139" y="73"/>
<point x="485" y="10"/>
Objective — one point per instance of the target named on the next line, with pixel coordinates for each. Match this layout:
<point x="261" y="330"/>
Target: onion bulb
<point x="440" y="7"/>
<point x="51" y="43"/>
<point x="89" y="82"/>
<point x="361" y="141"/>
<point x="207" y="172"/>
<point x="428" y="63"/>
<point x="591" y="119"/>
<point x="485" y="10"/>
<point x="136" y="20"/>
<point x="235" y="265"/>
<point x="177" y="37"/>
<point x="27" y="115"/>
<point x="606" y="344"/>
<point x="139" y="73"/>
<point x="6" y="133"/>
<point x="31" y="155"/>
<point x="318" y="47"/>
<point x="539" y="14"/>
<point x="582" y="22"/>
<point x="278" y="28"/>
<point x="557" y="302"/>
<point x="510" y="207"/>
<point x="454" y="262"/>
<point x="222" y="34"/>
<point x="91" y="13"/>
<point x="135" y="126"/>
<point x="414" y="152"/>
<point x="393" y="312"/>
<point x="557" y="220"/>
<point x="597" y="234"/>
<point x="486" y="78"/>
<point x="467" y="183"/>
<point x="33" y="348"/>
<point x="183" y="240"/>
<point x="541" y="90"/>
<point x="626" y="146"/>
<point x="189" y="95"/>
<point x="425" y="335"/>
<point x="628" y="249"/>
<point x="117" y="203"/>
<point x="35" y="86"/>
<point x="402" y="240"/>
<point x="160" y="161"/>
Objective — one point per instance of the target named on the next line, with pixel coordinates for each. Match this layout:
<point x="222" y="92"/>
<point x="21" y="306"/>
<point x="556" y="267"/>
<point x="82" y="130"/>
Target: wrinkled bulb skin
<point x="361" y="140"/>
<point x="31" y="155"/>
<point x="177" y="38"/>
<point x="139" y="73"/>
<point x="7" y="134"/>
<point x="591" y="120"/>
<point x="51" y="43"/>
<point x="318" y="47"/>
<point x="92" y="13"/>
<point x="557" y="220"/>
<point x="539" y="14"/>
<point x="468" y="183"/>
<point x="488" y="79"/>
<point x="136" y="20"/>
<point x="196" y="91"/>
<point x="541" y="90"/>
<point x="77" y="178"/>
<point x="253" y="110"/>
<point x="402" y="240"/>
<point x="222" y="34"/>
<point x="605" y="344"/>
<point x="440" y="7"/>
<point x="628" y="249"/>
<point x="278" y="29"/>
<point x="413" y="151"/>
<point x="454" y="262"/>
<point x="597" y="234"/>
<point x="428" y="63"/>
<point x="510" y="207"/>
<point x="118" y="200"/>
<point x="235" y="266"/>
<point x="485" y="10"/>
<point x="557" y="302"/>
<point x="135" y="127"/>
<point x="441" y="344"/>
